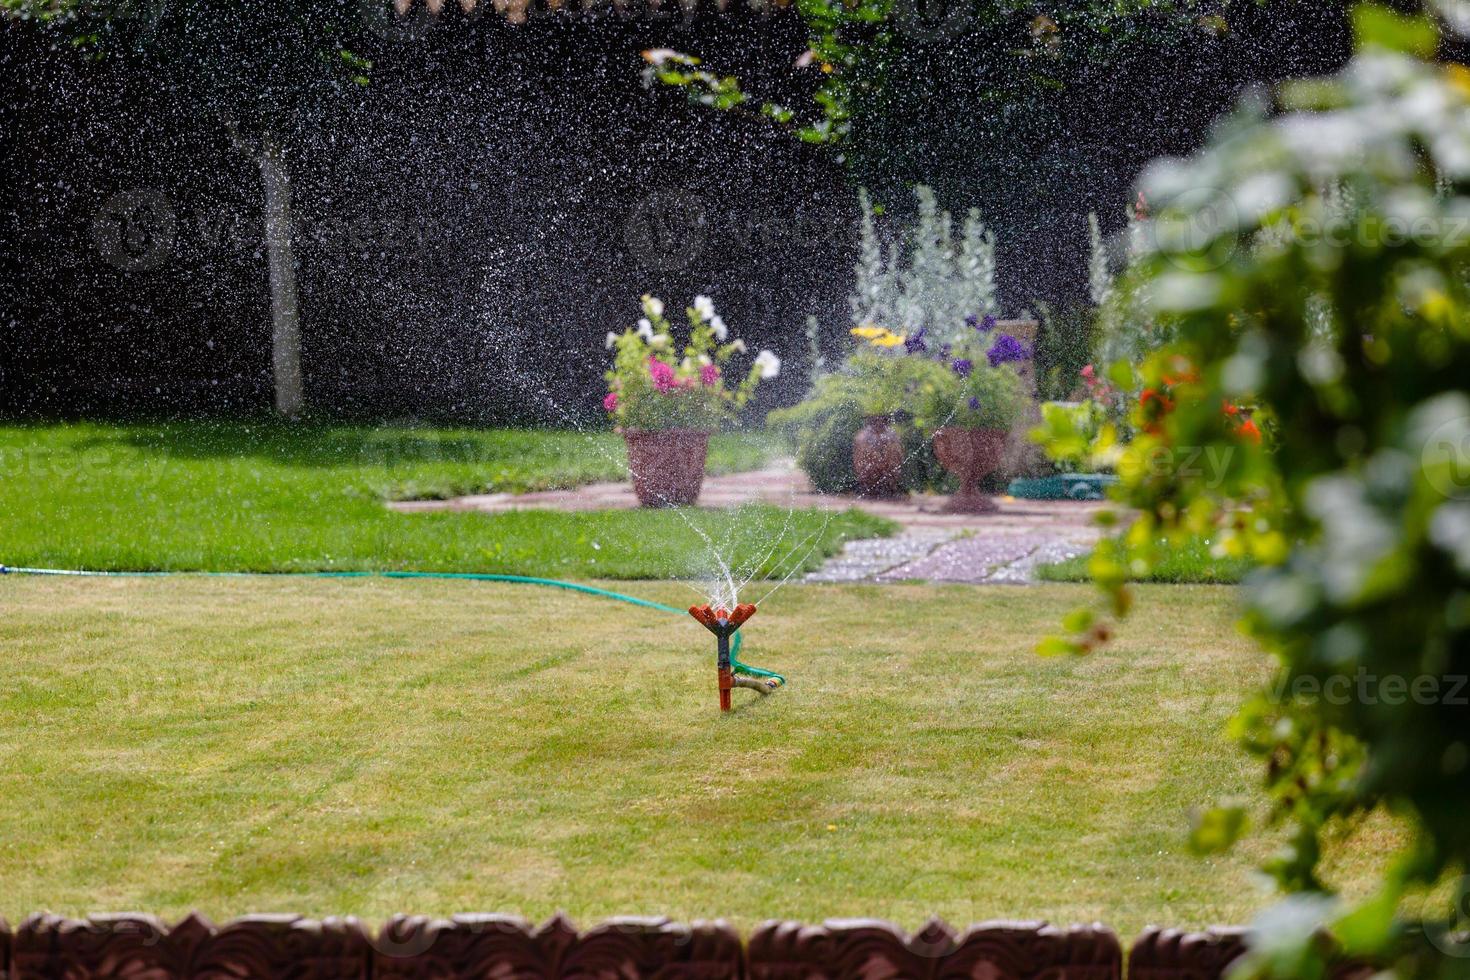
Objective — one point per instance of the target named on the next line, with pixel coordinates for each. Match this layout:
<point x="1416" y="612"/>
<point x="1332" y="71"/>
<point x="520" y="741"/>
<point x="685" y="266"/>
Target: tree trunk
<point x="285" y="301"/>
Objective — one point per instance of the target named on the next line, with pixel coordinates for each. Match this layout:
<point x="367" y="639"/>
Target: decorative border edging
<point x="871" y="948"/>
<point x="488" y="946"/>
<point x="1174" y="954"/>
<point x="142" y="946"/>
<point x="501" y="947"/>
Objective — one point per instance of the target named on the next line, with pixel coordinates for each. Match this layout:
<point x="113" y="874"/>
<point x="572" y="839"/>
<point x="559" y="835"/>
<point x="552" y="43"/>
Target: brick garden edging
<point x="496" y="947"/>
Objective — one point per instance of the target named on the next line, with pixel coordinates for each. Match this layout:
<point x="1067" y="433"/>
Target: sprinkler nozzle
<point x="723" y="623"/>
<point x="718" y="620"/>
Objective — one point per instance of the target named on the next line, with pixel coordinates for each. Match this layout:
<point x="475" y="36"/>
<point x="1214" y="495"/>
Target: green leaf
<point x="1120" y="373"/>
<point x="1370" y="927"/>
<point x="1217" y="829"/>
<point x="1057" y="646"/>
<point x="1375" y="26"/>
<point x="1078" y="620"/>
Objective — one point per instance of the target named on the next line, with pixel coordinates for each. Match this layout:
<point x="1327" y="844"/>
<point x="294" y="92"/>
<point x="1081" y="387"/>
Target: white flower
<point x="645" y="329"/>
<point x="653" y="306"/>
<point x="659" y="342"/>
<point x="769" y="364"/>
<point x="612" y="340"/>
<point x="738" y="346"/>
<point x="704" y="360"/>
<point x="704" y="307"/>
<point x="721" y="331"/>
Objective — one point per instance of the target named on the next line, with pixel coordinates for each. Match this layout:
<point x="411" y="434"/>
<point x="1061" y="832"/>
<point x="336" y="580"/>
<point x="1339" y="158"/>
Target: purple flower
<point x="1006" y="349"/>
<point x="916" y="344"/>
<point x="974" y="401"/>
<point x="944" y="352"/>
<point x="963" y="366"/>
<point x="987" y="324"/>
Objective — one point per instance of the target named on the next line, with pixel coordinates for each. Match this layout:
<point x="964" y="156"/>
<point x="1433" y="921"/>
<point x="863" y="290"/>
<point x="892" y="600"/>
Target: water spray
<point x="724" y="624"/>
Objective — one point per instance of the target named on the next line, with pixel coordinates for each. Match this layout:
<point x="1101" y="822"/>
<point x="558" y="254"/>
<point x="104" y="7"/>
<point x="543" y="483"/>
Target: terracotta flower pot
<point x="667" y="465"/>
<point x="971" y="455"/>
<point x="877" y="459"/>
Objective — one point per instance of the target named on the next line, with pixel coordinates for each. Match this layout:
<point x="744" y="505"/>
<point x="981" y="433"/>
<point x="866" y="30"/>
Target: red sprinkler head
<point x="723" y="623"/>
<point x="720" y="620"/>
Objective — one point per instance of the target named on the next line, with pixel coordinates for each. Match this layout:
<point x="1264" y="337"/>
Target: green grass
<point x="371" y="747"/>
<point x="1189" y="564"/>
<point x="272" y="497"/>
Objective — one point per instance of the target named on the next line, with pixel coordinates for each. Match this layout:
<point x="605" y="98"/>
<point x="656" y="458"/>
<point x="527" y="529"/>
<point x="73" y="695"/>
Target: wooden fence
<point x="494" y="947"/>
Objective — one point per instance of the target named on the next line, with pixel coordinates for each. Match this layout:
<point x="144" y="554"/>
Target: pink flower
<point x="662" y="374"/>
<point x="709" y="374"/>
<point x="610" y="403"/>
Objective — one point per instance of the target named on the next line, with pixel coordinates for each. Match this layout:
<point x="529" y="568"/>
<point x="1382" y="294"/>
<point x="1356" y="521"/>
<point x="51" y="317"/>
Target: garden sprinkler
<point x="724" y="624"/>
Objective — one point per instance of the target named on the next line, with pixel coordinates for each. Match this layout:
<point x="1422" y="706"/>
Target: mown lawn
<point x="369" y="746"/>
<point x="1191" y="563"/>
<point x="234" y="496"/>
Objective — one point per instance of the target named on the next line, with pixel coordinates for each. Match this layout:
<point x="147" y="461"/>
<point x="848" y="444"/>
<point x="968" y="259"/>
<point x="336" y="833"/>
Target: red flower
<point x="1165" y="403"/>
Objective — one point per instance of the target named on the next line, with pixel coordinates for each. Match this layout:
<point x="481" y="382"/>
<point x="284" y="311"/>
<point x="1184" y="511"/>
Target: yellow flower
<point x="1459" y="77"/>
<point x="887" y="340"/>
<point x="867" y="331"/>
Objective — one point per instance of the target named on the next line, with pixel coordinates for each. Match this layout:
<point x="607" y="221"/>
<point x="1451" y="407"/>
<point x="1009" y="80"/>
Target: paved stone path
<point x="932" y="546"/>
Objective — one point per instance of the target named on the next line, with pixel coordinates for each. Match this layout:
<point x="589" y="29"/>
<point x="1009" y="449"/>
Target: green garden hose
<point x="735" y="663"/>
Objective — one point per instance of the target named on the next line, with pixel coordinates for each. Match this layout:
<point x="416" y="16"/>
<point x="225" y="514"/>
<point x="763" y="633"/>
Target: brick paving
<point x="1004" y="547"/>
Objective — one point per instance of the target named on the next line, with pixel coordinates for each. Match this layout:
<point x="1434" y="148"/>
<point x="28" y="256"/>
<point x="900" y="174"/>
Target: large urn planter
<point x="667" y="465"/>
<point x="877" y="459"/>
<point x="971" y="455"/>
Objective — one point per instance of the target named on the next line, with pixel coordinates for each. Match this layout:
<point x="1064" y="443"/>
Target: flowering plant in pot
<point x="884" y="403"/>
<point x="970" y="416"/>
<point x="666" y="400"/>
